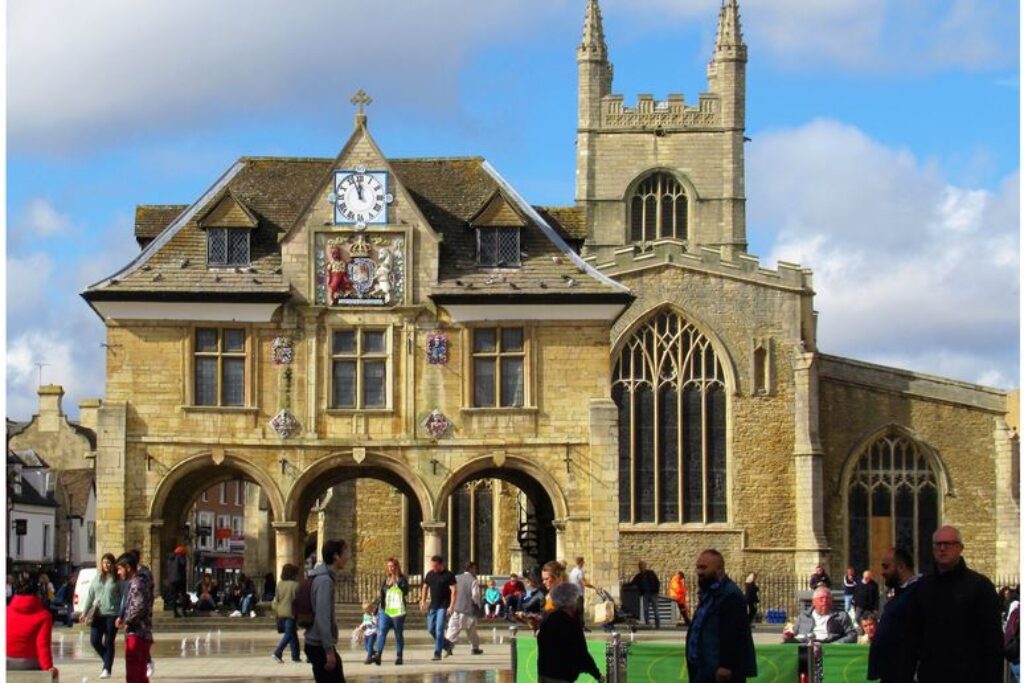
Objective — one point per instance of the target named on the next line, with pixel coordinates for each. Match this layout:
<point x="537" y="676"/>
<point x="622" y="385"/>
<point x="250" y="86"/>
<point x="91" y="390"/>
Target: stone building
<point x="615" y="378"/>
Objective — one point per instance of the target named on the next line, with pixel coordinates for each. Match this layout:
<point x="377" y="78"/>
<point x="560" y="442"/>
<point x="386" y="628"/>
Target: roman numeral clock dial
<point x="360" y="197"/>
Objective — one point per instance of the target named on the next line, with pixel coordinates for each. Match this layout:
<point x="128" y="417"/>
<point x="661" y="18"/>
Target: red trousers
<point x="136" y="657"/>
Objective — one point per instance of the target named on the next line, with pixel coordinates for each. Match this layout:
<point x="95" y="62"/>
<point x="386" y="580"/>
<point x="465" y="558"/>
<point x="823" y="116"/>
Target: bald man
<point x="719" y="646"/>
<point x="961" y="635"/>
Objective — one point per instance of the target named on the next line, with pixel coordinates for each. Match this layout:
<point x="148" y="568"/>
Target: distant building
<point x="31" y="511"/>
<point x="218" y="537"/>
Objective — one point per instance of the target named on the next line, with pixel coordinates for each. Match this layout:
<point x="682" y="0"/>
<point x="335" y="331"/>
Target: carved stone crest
<point x="359" y="454"/>
<point x="285" y="424"/>
<point x="437" y="348"/>
<point x="437" y="424"/>
<point x="282" y="351"/>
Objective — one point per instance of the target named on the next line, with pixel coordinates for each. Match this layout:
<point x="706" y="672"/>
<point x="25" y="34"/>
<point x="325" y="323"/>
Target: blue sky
<point x="884" y="152"/>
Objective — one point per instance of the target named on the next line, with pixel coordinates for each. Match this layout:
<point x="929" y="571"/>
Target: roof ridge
<point x="472" y="157"/>
<point x="284" y="158"/>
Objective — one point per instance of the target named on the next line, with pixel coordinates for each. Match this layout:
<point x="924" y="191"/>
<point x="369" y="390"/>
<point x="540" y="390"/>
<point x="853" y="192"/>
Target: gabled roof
<point x="569" y="221"/>
<point x="227" y="211"/>
<point x="77" y="484"/>
<point x="151" y="219"/>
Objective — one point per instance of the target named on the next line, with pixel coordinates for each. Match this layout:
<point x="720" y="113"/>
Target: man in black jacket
<point x="648" y="586"/>
<point x="562" y="653"/>
<point x="865" y="596"/>
<point x="893" y="655"/>
<point x="719" y="646"/>
<point x="961" y="637"/>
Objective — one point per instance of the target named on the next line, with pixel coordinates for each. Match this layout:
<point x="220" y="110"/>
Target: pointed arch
<point x="660" y="205"/>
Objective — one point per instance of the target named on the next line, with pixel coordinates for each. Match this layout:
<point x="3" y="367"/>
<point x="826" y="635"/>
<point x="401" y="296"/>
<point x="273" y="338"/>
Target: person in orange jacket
<point x="677" y="591"/>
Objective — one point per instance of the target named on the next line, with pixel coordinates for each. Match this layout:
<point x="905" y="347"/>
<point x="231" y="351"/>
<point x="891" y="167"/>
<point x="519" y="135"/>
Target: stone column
<point x="156" y="564"/>
<point x="559" y="525"/>
<point x="286" y="543"/>
<point x="811" y="545"/>
<point x="1007" y="452"/>
<point x="111" y="479"/>
<point x="603" y="554"/>
<point x="433" y="540"/>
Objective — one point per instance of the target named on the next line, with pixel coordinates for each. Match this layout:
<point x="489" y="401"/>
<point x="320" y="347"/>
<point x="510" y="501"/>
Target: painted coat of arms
<point x="282" y="352"/>
<point x="437" y="348"/>
<point x="360" y="269"/>
<point x="437" y="424"/>
<point x="285" y="424"/>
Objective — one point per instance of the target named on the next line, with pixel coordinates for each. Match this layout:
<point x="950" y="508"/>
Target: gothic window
<point x="892" y="500"/>
<point x="658" y="209"/>
<point x="470" y="524"/>
<point x="359" y="369"/>
<point x="498" y="247"/>
<point x="227" y="246"/>
<point x="499" y="359"/>
<point x="219" y="366"/>
<point x="669" y="387"/>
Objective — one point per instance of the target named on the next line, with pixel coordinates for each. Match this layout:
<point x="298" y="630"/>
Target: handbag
<point x="89" y="616"/>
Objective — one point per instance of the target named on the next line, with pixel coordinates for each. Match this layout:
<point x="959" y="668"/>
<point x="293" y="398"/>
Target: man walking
<point x="177" y="570"/>
<point x="438" y="586"/>
<point x="719" y="646"/>
<point x="578" y="578"/>
<point x="648" y="586"/>
<point x="961" y="637"/>
<point x="466" y="605"/>
<point x="893" y="654"/>
<point x="322" y="636"/>
<point x="137" y="619"/>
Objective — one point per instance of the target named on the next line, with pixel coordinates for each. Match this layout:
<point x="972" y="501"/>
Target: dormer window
<point x="658" y="209"/>
<point x="497" y="247"/>
<point x="227" y="246"/>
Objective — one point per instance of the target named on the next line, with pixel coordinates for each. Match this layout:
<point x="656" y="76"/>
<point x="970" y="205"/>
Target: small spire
<point x="361" y="100"/>
<point x="593" y="45"/>
<point x="729" y="41"/>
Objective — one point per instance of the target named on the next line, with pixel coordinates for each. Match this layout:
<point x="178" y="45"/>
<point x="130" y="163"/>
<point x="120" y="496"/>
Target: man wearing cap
<point x="177" y="571"/>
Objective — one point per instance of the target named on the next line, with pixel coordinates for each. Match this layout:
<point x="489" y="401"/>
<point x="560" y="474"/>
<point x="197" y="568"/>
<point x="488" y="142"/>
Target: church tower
<point x="662" y="171"/>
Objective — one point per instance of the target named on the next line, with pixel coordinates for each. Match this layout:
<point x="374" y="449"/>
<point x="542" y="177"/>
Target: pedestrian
<point x="206" y="594"/>
<point x="677" y="591"/>
<point x="150" y="585"/>
<point x="865" y="597"/>
<point x="281" y="605"/>
<point x="177" y="571"/>
<point x="752" y="595"/>
<point x="46" y="591"/>
<point x="435" y="598"/>
<point x="391" y="610"/>
<point x="367" y="630"/>
<point x="819" y="578"/>
<point x="893" y="654"/>
<point x="648" y="585"/>
<point x="104" y="600"/>
<point x="578" y="577"/>
<point x="29" y="629"/>
<point x="868" y="624"/>
<point x="492" y="601"/>
<point x="533" y="599"/>
<point x="466" y="606"/>
<point x="849" y="584"/>
<point x="322" y="636"/>
<point x="562" y="653"/>
<point x="137" y="618"/>
<point x="246" y="597"/>
<point x="512" y="594"/>
<point x="1011" y="636"/>
<point x="719" y="645"/>
<point x="961" y="636"/>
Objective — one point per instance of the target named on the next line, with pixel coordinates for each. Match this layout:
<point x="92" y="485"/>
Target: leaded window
<point x="219" y="366"/>
<point x="359" y="368"/>
<point x="498" y="247"/>
<point x="658" y="209"/>
<point x="227" y="246"/>
<point x="499" y="360"/>
<point x="892" y="501"/>
<point x="470" y="522"/>
<point x="670" y="390"/>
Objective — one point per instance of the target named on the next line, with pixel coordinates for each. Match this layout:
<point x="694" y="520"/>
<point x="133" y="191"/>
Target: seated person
<point x="206" y="594"/>
<point x="492" y="601"/>
<point x="868" y="624"/>
<point x="512" y="595"/>
<point x="821" y="622"/>
<point x="29" y="628"/>
<point x="60" y="608"/>
<point x="533" y="600"/>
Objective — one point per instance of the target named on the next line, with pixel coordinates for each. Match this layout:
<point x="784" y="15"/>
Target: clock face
<point x="360" y="197"/>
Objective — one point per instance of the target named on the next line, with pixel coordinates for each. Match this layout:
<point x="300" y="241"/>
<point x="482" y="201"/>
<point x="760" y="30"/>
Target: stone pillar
<point x="286" y="543"/>
<point x="111" y="479"/>
<point x="559" y="525"/>
<point x="603" y="554"/>
<point x="811" y="545"/>
<point x="1007" y="452"/>
<point x="155" y="561"/>
<point x="433" y="541"/>
<point x="88" y="412"/>
<point x="50" y="412"/>
<point x="256" y="531"/>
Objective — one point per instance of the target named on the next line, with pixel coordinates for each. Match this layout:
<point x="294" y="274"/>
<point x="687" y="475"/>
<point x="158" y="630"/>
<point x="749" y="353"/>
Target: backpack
<point x="302" y="605"/>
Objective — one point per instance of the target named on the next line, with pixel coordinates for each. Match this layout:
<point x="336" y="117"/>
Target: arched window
<point x="471" y="521"/>
<point x="658" y="209"/>
<point x="893" y="500"/>
<point x="670" y="389"/>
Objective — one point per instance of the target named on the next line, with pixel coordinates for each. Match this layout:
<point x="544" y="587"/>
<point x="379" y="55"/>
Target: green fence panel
<point x="526" y="659"/>
<point x="656" y="662"/>
<point x="846" y="663"/>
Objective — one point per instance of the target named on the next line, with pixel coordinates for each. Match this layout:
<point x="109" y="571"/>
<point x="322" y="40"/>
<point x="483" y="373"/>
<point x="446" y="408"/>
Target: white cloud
<point x="40" y="346"/>
<point x="42" y="217"/>
<point x="909" y="269"/>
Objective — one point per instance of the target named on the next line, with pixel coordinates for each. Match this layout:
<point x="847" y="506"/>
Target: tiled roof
<point x="448" y="191"/>
<point x="570" y="221"/>
<point x="77" y="483"/>
<point x="151" y="219"/>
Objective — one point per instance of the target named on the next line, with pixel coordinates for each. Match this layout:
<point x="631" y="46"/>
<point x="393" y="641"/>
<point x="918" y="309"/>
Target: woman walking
<point x="105" y="596"/>
<point x="282" y="606"/>
<point x="392" y="609"/>
<point x="752" y="595"/>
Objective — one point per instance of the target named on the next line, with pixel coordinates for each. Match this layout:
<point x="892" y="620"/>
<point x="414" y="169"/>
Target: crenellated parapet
<point x="670" y="114"/>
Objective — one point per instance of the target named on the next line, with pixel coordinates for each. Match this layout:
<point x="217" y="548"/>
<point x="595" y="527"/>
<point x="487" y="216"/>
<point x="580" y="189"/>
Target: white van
<point x="85" y="577"/>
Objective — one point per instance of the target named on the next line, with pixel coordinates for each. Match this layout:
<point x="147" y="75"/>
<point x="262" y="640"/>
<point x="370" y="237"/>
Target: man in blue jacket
<point x="719" y="646"/>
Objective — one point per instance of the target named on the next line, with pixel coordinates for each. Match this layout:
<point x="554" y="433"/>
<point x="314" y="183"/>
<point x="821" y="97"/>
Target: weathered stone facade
<point x="794" y="419"/>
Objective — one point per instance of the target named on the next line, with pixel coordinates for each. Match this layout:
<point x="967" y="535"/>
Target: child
<point x="368" y="629"/>
<point x="492" y="601"/>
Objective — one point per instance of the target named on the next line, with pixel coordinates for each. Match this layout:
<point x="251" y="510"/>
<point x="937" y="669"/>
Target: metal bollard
<point x="613" y="667"/>
<point x="512" y="642"/>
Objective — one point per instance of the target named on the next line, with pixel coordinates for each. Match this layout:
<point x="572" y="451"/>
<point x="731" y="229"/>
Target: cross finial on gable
<point x="361" y="99"/>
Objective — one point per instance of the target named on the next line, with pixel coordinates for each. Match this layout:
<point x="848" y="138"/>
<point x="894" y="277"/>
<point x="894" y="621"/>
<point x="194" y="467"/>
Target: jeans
<point x="385" y="624"/>
<point x="649" y="603"/>
<point x="247" y="602"/>
<point x="136" y="657"/>
<point x="368" y="643"/>
<point x="317" y="657"/>
<point x="291" y="638"/>
<point x="435" y="627"/>
<point x="101" y="636"/>
<point x="847" y="601"/>
<point x="1015" y="671"/>
<point x="512" y="604"/>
